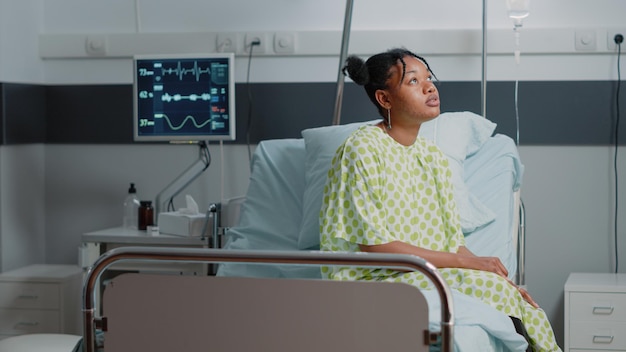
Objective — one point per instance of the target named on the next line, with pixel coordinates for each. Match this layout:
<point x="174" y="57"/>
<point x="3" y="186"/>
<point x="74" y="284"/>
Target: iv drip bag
<point x="518" y="10"/>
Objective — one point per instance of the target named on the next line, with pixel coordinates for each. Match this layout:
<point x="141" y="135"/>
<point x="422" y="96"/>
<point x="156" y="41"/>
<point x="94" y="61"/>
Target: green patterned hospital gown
<point x="379" y="191"/>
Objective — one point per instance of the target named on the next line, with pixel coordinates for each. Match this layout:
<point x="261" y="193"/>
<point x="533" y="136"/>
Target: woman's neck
<point x="401" y="134"/>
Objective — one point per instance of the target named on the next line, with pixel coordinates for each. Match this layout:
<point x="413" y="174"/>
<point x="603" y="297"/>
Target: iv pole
<point x="344" y="53"/>
<point x="483" y="82"/>
<point x="342" y="58"/>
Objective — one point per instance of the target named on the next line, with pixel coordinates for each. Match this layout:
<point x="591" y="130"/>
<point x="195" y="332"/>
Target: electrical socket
<point x="284" y="42"/>
<point x="610" y="37"/>
<point x="585" y="40"/>
<point x="251" y="37"/>
<point x="96" y="45"/>
<point x="227" y="42"/>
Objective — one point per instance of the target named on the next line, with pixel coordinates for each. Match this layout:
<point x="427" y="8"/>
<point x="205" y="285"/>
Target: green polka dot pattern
<point x="379" y="191"/>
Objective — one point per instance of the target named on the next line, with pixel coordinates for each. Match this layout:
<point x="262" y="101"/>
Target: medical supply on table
<point x="188" y="221"/>
<point x="146" y="214"/>
<point x="131" y="208"/>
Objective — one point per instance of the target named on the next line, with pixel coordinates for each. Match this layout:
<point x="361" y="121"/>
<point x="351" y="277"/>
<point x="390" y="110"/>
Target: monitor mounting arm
<point x="183" y="180"/>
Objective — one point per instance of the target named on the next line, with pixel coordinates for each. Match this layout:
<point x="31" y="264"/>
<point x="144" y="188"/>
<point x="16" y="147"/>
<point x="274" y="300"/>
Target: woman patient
<point x="390" y="191"/>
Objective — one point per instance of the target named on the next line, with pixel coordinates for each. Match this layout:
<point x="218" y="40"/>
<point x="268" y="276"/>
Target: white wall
<point x="548" y="33"/>
<point x="20" y="23"/>
<point x="569" y="196"/>
<point x="22" y="206"/>
<point x="568" y="191"/>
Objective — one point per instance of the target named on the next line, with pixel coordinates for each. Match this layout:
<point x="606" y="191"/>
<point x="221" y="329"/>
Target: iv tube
<point x="517" y="10"/>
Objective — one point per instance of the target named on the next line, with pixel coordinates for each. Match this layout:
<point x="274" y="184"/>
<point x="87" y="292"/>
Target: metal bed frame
<point x="407" y="262"/>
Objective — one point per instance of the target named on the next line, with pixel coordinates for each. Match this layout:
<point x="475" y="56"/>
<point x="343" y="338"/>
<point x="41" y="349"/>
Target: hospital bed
<point x="270" y="296"/>
<point x="281" y="207"/>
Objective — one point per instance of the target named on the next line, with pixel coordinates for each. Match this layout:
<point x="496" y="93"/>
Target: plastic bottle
<point x="131" y="209"/>
<point x="146" y="215"/>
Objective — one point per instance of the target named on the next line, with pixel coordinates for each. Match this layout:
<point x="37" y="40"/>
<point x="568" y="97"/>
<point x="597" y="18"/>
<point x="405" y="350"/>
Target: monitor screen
<point x="184" y="97"/>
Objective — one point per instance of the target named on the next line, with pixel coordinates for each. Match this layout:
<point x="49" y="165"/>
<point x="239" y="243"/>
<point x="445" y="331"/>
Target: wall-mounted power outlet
<point x="96" y="45"/>
<point x="227" y="42"/>
<point x="586" y="40"/>
<point x="255" y="37"/>
<point x="284" y="42"/>
<point x="610" y="37"/>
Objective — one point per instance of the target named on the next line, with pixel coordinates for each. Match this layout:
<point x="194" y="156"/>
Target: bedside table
<point x="41" y="299"/>
<point x="595" y="312"/>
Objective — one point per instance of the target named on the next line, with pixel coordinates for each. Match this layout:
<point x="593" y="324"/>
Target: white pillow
<point x="457" y="134"/>
<point x="321" y="143"/>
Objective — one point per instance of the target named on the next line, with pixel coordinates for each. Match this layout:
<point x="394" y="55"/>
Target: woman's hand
<point x="491" y="264"/>
<point x="494" y="265"/>
<point x="525" y="295"/>
<point x="527" y="298"/>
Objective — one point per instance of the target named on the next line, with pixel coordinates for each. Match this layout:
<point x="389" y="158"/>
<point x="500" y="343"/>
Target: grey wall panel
<point x="23" y="113"/>
<point x="550" y="113"/>
<point x="557" y="113"/>
<point x="282" y="110"/>
<point x="2" y="114"/>
<point x="89" y="114"/>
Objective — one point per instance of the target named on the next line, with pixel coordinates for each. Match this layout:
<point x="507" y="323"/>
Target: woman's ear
<point x="382" y="97"/>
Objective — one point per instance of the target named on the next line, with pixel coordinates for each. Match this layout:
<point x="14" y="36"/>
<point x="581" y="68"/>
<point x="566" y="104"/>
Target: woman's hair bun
<point x="356" y="69"/>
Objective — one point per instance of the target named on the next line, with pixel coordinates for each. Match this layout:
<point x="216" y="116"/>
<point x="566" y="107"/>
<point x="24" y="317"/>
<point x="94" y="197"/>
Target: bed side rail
<point x="396" y="261"/>
<point x="519" y="238"/>
<point x="521" y="246"/>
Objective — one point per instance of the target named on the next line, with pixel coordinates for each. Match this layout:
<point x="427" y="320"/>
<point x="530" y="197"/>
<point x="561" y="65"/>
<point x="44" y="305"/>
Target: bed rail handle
<point x="210" y="255"/>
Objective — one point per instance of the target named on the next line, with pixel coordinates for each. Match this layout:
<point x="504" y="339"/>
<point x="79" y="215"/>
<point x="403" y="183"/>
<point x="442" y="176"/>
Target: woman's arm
<point x="462" y="259"/>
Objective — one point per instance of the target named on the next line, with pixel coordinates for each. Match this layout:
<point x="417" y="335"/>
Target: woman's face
<point x="412" y="98"/>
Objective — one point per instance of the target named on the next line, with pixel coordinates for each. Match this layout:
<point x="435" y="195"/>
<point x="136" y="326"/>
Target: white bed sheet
<point x="493" y="174"/>
<point x="477" y="326"/>
<point x="271" y="213"/>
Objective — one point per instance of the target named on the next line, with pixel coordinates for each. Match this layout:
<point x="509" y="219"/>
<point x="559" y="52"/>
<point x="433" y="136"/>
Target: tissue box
<point x="175" y="223"/>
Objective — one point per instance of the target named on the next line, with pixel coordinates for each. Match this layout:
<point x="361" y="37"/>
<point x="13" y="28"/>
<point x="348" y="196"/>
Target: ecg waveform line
<point x="191" y="97"/>
<point x="180" y="71"/>
<point x="188" y="117"/>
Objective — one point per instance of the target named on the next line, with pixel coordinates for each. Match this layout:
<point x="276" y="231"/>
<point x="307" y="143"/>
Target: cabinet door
<point x="598" y="306"/>
<point x="28" y="321"/>
<point x="29" y="295"/>
<point x="597" y="335"/>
